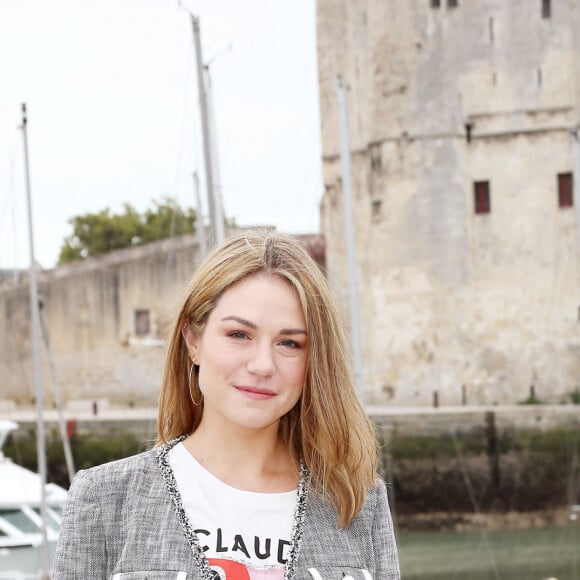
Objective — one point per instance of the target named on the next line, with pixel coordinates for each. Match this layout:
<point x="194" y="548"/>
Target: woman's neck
<point x="249" y="459"/>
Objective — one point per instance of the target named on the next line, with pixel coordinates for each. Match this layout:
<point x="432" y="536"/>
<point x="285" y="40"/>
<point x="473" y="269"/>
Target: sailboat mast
<point x="350" y="234"/>
<point x="35" y="323"/>
<point x="206" y="135"/>
<point x="217" y="188"/>
<point x="199" y="224"/>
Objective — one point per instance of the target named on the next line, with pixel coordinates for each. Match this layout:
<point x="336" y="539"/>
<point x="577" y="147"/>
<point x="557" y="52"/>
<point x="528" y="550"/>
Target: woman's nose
<point x="261" y="361"/>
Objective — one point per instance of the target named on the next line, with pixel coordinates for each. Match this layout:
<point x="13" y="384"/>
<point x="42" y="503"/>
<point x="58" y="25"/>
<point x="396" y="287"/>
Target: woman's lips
<point x="255" y="393"/>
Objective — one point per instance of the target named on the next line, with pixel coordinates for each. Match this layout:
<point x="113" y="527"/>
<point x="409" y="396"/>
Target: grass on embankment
<point x="533" y="554"/>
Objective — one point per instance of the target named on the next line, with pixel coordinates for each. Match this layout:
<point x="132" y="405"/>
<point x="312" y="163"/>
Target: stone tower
<point x="463" y="121"/>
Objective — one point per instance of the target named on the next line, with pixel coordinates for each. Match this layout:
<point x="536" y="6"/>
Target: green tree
<point x="95" y="234"/>
<point x="167" y="220"/>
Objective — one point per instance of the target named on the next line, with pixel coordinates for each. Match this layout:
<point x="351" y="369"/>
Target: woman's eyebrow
<point x="293" y="331"/>
<point x="254" y="326"/>
<point x="243" y="321"/>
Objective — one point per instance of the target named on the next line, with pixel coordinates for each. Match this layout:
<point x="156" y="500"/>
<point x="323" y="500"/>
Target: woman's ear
<point x="191" y="342"/>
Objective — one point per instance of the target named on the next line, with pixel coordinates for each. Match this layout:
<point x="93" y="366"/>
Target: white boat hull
<point x="23" y="563"/>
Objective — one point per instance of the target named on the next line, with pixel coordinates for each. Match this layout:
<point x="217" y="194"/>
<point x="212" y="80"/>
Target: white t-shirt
<point x="244" y="534"/>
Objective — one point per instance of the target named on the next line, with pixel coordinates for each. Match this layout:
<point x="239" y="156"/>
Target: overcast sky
<point x="111" y="92"/>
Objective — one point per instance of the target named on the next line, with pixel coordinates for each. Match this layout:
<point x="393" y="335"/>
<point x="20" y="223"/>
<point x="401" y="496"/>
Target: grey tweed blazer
<point x="120" y="523"/>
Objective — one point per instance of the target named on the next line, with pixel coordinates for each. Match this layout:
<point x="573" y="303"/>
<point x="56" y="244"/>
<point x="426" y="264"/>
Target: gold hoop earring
<point x="189" y="390"/>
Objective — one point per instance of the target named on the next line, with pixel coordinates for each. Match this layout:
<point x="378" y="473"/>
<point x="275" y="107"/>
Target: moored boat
<point x="21" y="524"/>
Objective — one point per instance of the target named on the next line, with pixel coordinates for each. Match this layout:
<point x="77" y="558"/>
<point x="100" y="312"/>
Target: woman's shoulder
<point x="373" y="494"/>
<point x="324" y="513"/>
<point x="378" y="490"/>
<point x="134" y="466"/>
<point x="376" y="501"/>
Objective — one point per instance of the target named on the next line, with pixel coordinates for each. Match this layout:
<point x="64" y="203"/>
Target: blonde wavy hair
<point x="327" y="429"/>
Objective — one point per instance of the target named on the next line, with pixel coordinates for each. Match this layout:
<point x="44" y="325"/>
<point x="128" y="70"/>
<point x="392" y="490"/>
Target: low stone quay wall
<point x="458" y="420"/>
<point x="444" y="467"/>
<point x="406" y="421"/>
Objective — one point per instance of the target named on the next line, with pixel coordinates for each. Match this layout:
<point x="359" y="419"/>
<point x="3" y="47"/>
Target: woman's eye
<point x="238" y="334"/>
<point x="290" y="343"/>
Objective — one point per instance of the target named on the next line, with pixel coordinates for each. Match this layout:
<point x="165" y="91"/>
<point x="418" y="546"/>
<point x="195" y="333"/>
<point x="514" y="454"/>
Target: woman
<point x="266" y="463"/>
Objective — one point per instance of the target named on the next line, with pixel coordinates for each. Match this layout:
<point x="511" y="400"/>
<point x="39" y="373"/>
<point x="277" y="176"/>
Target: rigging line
<point x="16" y="368"/>
<point x="184" y="109"/>
<point x="170" y="259"/>
<point x="518" y="482"/>
<point x="573" y="502"/>
<point x="11" y="207"/>
<point x="553" y="313"/>
<point x="57" y="395"/>
<point x="386" y="468"/>
<point x="9" y="200"/>
<point x="474" y="502"/>
<point x="324" y="110"/>
<point x="572" y="486"/>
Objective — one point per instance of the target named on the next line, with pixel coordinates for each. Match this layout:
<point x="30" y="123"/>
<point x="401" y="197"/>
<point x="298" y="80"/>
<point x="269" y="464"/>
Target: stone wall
<point x="473" y="307"/>
<point x="91" y="309"/>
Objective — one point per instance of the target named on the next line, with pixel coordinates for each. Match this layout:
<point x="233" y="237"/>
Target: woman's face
<point x="251" y="354"/>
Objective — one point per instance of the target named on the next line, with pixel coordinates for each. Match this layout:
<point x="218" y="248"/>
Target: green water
<point x="534" y="554"/>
